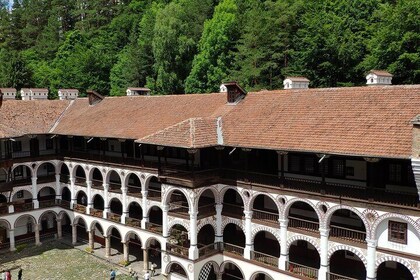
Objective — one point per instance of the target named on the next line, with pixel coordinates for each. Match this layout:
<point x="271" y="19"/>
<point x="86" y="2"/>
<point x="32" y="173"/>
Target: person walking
<point x="146" y="276"/>
<point x="20" y="274"/>
<point x="112" y="275"/>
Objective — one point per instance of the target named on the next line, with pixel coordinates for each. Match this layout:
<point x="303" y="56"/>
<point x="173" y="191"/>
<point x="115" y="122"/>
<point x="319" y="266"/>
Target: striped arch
<point x="222" y="267"/>
<point x="47" y="186"/>
<point x="170" y="190"/>
<point x="73" y="168"/>
<point x="396" y="216"/>
<point x="312" y="241"/>
<point x="109" y="172"/>
<point x="398" y="260"/>
<point x="172" y="223"/>
<point x="215" y="194"/>
<point x="347" y="248"/>
<point x="89" y="175"/>
<point x="258" y="229"/>
<point x="260" y="272"/>
<point x="168" y="267"/>
<point x="254" y="196"/>
<point x="290" y="202"/>
<point x="147" y="243"/>
<point x="39" y="163"/>
<point x="207" y="222"/>
<point x="146" y="179"/>
<point x="233" y="221"/>
<point x="330" y="212"/>
<point x="241" y="194"/>
<point x="127" y="175"/>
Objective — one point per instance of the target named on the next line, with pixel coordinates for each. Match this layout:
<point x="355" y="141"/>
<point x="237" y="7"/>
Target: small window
<point x="397" y="232"/>
<point x="49" y="144"/>
<point x="18" y="171"/>
<point x="338" y="168"/>
<point x="17" y="146"/>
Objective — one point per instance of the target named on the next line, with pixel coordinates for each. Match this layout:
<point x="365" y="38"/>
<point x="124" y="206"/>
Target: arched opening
<point x="262" y="276"/>
<point x="208" y="271"/>
<point x="66" y="224"/>
<point x="4" y="209"/>
<point x="46" y="173"/>
<point x="135" y="252"/>
<point x="135" y="215"/>
<point x="266" y="248"/>
<point x="46" y="197"/>
<point x="3" y="175"/>
<point x="81" y="229"/>
<point x="205" y="241"/>
<point x="22" y="201"/>
<point x="4" y="234"/>
<point x="178" y="270"/>
<point x="115" y="207"/>
<point x="114" y="182"/>
<point x="80" y="176"/>
<point x="116" y="244"/>
<point x="347" y="264"/>
<point x="265" y="211"/>
<point x="154" y="189"/>
<point x="178" y="205"/>
<point x="233" y="206"/>
<point x="206" y="204"/>
<point x="66" y="194"/>
<point x="154" y="251"/>
<point x="155" y="220"/>
<point x="302" y="216"/>
<point x="97" y="179"/>
<point x="304" y="259"/>
<point x="345" y="224"/>
<point x="48" y="225"/>
<point x="64" y="174"/>
<point x="178" y="241"/>
<point x="232" y="272"/>
<point x="234" y="239"/>
<point x="25" y="229"/>
<point x="81" y="203"/>
<point x="98" y="206"/>
<point x="134" y="186"/>
<point x="3" y="198"/>
<point x="393" y="270"/>
<point x="22" y="175"/>
<point x="98" y="234"/>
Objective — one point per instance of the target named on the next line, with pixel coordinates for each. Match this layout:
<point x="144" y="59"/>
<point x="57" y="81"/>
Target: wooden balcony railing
<point x="114" y="217"/>
<point x="79" y="208"/>
<point x="265" y="258"/>
<point x="348" y="234"/>
<point x="333" y="276"/>
<point x="177" y="250"/>
<point x="48" y="203"/>
<point x="178" y="209"/>
<point x="231" y="210"/>
<point x="64" y="203"/>
<point x="46" y="179"/>
<point x="234" y="249"/>
<point x="80" y="181"/>
<point x="96" y="212"/>
<point x="22" y="207"/>
<point x="302" y="270"/>
<point x="265" y="216"/>
<point x="206" y="211"/>
<point x="154" y="227"/>
<point x="133" y="222"/>
<point x="97" y="184"/>
<point x="303" y="224"/>
<point x="154" y="194"/>
<point x="210" y="249"/>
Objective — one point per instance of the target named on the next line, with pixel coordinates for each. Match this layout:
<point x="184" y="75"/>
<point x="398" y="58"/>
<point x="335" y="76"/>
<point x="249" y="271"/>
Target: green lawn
<point x="56" y="261"/>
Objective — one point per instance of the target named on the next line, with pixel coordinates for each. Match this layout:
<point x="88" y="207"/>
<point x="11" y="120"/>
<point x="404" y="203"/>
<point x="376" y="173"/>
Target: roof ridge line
<point x="60" y="117"/>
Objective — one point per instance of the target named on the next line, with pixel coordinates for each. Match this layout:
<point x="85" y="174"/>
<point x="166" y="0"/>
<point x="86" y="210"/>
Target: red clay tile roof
<point x="297" y="79"/>
<point x="191" y="133"/>
<point x="381" y="73"/>
<point x="19" y="117"/>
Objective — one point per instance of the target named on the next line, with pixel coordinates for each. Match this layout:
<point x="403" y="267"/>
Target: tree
<point x="212" y="63"/>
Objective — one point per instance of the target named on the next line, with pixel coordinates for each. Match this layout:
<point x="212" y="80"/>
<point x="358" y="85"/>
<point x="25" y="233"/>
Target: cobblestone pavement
<point x="54" y="260"/>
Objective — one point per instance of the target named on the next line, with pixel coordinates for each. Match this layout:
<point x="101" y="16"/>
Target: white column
<point x="59" y="229"/>
<point x="35" y="192"/>
<point x="219" y="236"/>
<point x="125" y="249"/>
<point x="193" y="251"/>
<point x="73" y="200"/>
<point x="74" y="234"/>
<point x="249" y="246"/>
<point x="322" y="274"/>
<point x="284" y="256"/>
<point x="371" y="259"/>
<point x="144" y="208"/>
<point x="89" y="196"/>
<point x="11" y="209"/>
<point x="37" y="237"/>
<point x="12" y="239"/>
<point x="146" y="259"/>
<point x="92" y="239"/>
<point x="165" y="233"/>
<point x="106" y="200"/>
<point x="124" y="205"/>
<point x="57" y="186"/>
<point x="107" y="246"/>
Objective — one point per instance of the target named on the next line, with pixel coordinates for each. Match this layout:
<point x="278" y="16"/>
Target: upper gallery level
<point x="357" y="143"/>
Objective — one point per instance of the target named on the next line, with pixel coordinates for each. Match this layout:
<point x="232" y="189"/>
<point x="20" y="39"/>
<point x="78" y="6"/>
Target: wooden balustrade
<point x="47" y="203"/>
<point x="209" y="249"/>
<point x="154" y="194"/>
<point x="64" y="203"/>
<point x="302" y="270"/>
<point x="265" y="258"/>
<point x="333" y="276"/>
<point x="21" y="207"/>
<point x="304" y="224"/>
<point x="114" y="217"/>
<point x="265" y="216"/>
<point x="79" y="208"/>
<point x="178" y="250"/>
<point x="234" y="249"/>
<point x="96" y="212"/>
<point x="232" y="210"/>
<point x="133" y="222"/>
<point x="206" y="211"/>
<point x="154" y="227"/>
<point x="348" y="234"/>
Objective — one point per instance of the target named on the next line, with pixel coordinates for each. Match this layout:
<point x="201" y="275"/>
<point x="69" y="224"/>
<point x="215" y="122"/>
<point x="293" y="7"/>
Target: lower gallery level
<point x="214" y="232"/>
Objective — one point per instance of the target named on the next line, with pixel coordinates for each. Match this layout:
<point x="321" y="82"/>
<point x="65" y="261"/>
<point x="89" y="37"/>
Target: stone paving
<point x="58" y="260"/>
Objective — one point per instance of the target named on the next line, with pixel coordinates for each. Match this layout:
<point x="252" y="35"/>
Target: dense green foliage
<point x="177" y="46"/>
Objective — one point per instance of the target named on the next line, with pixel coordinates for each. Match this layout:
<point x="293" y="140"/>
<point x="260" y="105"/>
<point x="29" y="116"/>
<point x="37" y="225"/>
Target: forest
<point x="192" y="46"/>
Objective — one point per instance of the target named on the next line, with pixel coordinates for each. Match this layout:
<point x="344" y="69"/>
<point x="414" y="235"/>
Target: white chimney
<point x="66" y="93"/>
<point x="379" y="77"/>
<point x="223" y="88"/>
<point x="295" y="82"/>
<point x="34" y="93"/>
<point x="138" y="91"/>
<point x="8" y="93"/>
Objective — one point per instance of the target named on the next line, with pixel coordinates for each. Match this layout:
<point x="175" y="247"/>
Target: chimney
<point x="94" y="97"/>
<point x="378" y="77"/>
<point x="296" y="82"/>
<point x="137" y="91"/>
<point x="222" y="88"/>
<point x="235" y="92"/>
<point x="8" y="93"/>
<point x="34" y="93"/>
<point x="69" y="94"/>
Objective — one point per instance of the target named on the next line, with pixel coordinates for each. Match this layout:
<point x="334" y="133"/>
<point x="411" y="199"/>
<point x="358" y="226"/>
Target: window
<point x="49" y="144"/>
<point x="17" y="146"/>
<point x="397" y="232"/>
<point x="338" y="167"/>
<point x="294" y="163"/>
<point x="395" y="173"/>
<point x="18" y="172"/>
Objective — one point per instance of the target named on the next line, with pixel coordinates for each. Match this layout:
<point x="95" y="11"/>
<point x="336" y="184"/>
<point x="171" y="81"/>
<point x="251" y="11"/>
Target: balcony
<point x="348" y="234"/>
<point x="154" y="227"/>
<point x="114" y="217"/>
<point x="265" y="258"/>
<point x="210" y="249"/>
<point x="133" y="222"/>
<point x="333" y="276"/>
<point x="303" y="224"/>
<point x="234" y="211"/>
<point x="265" y="217"/>
<point x="48" y="203"/>
<point x="79" y="208"/>
<point x="302" y="270"/>
<point x="96" y="213"/>
<point x="233" y="249"/>
<point x="22" y="206"/>
<point x="177" y="250"/>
